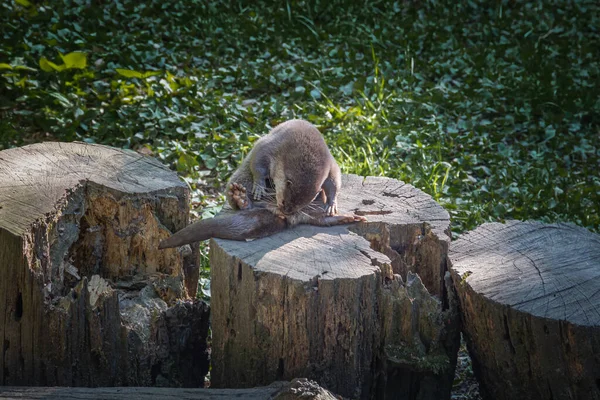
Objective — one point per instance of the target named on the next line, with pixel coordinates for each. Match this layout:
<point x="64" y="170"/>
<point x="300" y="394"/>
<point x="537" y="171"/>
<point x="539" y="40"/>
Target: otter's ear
<point x="288" y="183"/>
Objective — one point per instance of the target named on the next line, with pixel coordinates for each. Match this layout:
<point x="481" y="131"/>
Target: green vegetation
<point x="493" y="110"/>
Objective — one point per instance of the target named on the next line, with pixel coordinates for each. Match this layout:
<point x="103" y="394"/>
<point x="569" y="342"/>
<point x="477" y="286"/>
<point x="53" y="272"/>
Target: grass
<point x="492" y="109"/>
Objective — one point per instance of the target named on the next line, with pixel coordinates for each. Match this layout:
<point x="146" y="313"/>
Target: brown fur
<point x="247" y="224"/>
<point x="252" y="224"/>
<point x="296" y="159"/>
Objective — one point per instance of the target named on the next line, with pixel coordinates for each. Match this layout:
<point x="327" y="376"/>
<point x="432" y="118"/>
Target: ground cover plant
<point x="493" y="109"/>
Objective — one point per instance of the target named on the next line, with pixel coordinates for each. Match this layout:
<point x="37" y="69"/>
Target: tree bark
<point x="86" y="298"/>
<point x="298" y="389"/>
<point x="530" y="303"/>
<point x="342" y="305"/>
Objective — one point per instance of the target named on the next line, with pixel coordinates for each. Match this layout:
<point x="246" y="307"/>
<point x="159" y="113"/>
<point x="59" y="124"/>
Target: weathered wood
<point x="81" y="279"/>
<point x="297" y="389"/>
<point x="530" y="299"/>
<point x="341" y="305"/>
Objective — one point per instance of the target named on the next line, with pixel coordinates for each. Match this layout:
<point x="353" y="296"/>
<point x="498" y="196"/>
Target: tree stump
<point x="86" y="298"/>
<point x="530" y="302"/>
<point x="363" y="309"/>
<point x="298" y="389"/>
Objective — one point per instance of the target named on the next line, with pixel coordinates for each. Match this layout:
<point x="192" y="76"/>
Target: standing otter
<point x="295" y="159"/>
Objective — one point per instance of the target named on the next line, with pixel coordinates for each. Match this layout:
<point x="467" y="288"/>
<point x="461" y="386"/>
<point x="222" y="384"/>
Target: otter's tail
<point x="241" y="225"/>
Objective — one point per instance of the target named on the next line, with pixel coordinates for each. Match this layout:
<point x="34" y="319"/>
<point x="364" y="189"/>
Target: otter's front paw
<point x="238" y="193"/>
<point x="331" y="209"/>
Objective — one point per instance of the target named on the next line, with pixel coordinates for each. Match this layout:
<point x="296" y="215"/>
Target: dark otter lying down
<point x="253" y="224"/>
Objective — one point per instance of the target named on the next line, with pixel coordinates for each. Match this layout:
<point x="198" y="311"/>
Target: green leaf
<point x="148" y="74"/>
<point x="23" y="3"/>
<point x="24" y="68"/>
<point x="5" y="66"/>
<point x="74" y="60"/>
<point x="347" y="88"/>
<point x="62" y="99"/>
<point x="549" y="133"/>
<point x="209" y="162"/>
<point x="128" y="73"/>
<point x="49" y="66"/>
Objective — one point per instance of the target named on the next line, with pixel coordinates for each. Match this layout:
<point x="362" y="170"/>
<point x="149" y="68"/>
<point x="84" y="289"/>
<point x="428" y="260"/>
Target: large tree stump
<point x="530" y="299"/>
<point x="341" y="305"/>
<point x="86" y="298"/>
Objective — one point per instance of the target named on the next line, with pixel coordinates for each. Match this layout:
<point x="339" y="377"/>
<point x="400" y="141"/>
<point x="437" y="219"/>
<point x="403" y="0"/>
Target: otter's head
<point x="295" y="196"/>
<point x="295" y="191"/>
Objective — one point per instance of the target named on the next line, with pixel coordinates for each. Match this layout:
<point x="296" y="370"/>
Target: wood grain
<point x="81" y="278"/>
<point x="35" y="179"/>
<point x="530" y="299"/>
<point x="297" y="389"/>
<point x="342" y="305"/>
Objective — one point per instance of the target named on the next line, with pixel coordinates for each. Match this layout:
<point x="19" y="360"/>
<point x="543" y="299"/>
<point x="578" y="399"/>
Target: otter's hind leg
<point x="237" y="197"/>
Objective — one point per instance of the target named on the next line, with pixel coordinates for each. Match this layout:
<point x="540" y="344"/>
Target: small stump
<point x="530" y="299"/>
<point x="341" y="305"/>
<point x="298" y="389"/>
<point x="86" y="297"/>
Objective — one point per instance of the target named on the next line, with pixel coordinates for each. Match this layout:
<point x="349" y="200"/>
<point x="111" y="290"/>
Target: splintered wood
<point x="363" y="309"/>
<point x="530" y="302"/>
<point x="84" y="291"/>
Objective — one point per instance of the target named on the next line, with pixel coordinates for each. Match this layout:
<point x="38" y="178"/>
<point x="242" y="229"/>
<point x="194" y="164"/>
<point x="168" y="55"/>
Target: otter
<point x="253" y="223"/>
<point x="293" y="158"/>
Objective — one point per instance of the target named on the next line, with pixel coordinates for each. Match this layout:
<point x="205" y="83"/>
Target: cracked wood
<point x="530" y="298"/>
<point x="342" y="305"/>
<point x="85" y="295"/>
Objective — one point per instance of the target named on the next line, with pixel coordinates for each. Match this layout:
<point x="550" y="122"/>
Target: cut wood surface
<point x="530" y="299"/>
<point x="341" y="305"/>
<point x="81" y="279"/>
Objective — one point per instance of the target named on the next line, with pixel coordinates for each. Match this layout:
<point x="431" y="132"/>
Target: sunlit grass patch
<point x="491" y="109"/>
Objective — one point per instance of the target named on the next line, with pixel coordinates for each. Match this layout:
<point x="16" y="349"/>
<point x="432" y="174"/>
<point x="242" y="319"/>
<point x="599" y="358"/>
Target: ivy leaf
<point x="550" y="132"/>
<point x="148" y="74"/>
<point x="61" y="99"/>
<point x="347" y="88"/>
<point x="49" y="66"/>
<point x="23" y="68"/>
<point x="209" y="162"/>
<point x="74" y="60"/>
<point x="128" y="73"/>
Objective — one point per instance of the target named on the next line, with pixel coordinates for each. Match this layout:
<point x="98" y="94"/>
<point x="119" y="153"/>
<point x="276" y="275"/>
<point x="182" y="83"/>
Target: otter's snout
<point x="286" y="208"/>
